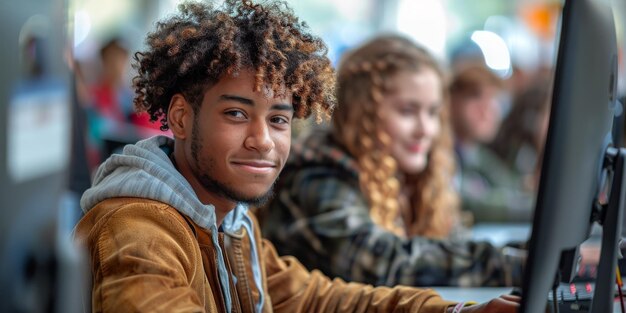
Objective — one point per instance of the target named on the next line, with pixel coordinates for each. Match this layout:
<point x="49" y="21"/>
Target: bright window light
<point x="495" y="51"/>
<point x="424" y="21"/>
<point x="82" y="26"/>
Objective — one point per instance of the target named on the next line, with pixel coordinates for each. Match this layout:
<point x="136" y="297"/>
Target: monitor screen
<point x="583" y="107"/>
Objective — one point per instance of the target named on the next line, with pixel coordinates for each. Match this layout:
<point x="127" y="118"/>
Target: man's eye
<point x="280" y="120"/>
<point x="236" y="114"/>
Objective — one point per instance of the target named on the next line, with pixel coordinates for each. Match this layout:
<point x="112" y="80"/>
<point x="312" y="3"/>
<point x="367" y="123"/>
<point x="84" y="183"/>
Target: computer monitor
<point x="579" y="158"/>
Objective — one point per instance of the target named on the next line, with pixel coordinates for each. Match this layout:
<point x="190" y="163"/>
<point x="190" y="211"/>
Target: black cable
<point x="555" y="301"/>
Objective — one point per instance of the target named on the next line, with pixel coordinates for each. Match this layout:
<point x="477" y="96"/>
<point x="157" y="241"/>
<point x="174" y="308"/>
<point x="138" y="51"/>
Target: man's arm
<point x="292" y="288"/>
<point x="140" y="259"/>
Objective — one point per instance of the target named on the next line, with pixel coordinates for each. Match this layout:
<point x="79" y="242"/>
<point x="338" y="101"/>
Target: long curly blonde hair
<point x="362" y="84"/>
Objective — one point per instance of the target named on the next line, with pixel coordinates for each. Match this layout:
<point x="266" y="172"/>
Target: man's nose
<point x="259" y="137"/>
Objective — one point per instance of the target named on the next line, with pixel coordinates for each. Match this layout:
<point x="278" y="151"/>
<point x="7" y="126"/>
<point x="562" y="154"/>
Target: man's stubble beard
<point x="203" y="171"/>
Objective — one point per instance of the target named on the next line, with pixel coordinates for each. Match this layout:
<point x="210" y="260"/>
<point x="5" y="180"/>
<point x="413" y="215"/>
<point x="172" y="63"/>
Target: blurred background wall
<point x="524" y="30"/>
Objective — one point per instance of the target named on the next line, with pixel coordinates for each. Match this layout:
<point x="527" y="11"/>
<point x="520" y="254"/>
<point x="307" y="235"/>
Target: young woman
<point x="372" y="199"/>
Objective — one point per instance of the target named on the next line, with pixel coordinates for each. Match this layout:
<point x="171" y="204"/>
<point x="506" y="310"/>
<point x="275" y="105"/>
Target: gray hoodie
<point x="144" y="170"/>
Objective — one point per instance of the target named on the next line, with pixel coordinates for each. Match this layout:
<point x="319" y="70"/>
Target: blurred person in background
<point x="521" y="138"/>
<point x="488" y="187"/>
<point x="110" y="99"/>
<point x="371" y="200"/>
<point x="112" y="120"/>
<point x="167" y="222"/>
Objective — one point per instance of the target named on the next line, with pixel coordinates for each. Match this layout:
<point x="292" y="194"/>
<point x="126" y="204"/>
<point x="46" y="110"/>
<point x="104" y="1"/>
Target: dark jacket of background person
<point x="490" y="189"/>
<point x="320" y="216"/>
<point x="521" y="139"/>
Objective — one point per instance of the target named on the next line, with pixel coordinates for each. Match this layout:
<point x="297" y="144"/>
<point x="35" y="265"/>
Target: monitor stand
<point x="610" y="217"/>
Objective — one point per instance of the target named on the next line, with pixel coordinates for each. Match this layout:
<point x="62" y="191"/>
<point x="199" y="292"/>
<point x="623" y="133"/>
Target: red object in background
<point x="142" y="119"/>
<point x="106" y="102"/>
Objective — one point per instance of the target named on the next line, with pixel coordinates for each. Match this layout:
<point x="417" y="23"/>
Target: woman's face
<point x="411" y="117"/>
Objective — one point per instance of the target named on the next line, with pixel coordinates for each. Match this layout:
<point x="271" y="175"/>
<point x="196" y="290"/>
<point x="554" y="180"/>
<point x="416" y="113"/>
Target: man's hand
<point x="589" y="254"/>
<point x="503" y="304"/>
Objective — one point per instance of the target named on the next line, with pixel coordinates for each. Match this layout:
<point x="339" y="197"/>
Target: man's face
<point x="240" y="140"/>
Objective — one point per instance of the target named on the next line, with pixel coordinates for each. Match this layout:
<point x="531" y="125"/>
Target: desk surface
<point x="501" y="234"/>
<point x="483" y="294"/>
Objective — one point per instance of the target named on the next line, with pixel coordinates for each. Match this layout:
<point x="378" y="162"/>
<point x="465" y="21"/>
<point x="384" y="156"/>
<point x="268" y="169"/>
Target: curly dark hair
<point x="191" y="51"/>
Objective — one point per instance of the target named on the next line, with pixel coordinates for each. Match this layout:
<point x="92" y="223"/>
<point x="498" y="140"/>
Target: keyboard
<point x="574" y="297"/>
<point x="577" y="296"/>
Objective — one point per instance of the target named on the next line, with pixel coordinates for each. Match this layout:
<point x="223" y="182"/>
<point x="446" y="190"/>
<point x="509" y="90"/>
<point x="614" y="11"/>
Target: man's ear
<point x="180" y="116"/>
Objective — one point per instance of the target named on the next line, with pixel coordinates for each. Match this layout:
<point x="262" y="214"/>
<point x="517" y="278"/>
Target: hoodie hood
<point x="144" y="170"/>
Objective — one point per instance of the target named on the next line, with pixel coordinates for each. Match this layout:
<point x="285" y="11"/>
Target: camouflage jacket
<point x="320" y="216"/>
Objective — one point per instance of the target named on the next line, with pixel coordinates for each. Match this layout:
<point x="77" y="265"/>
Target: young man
<point x="166" y="223"/>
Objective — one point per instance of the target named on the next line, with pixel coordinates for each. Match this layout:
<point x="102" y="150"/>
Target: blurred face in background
<point x="114" y="64"/>
<point x="412" y="117"/>
<point x="477" y="115"/>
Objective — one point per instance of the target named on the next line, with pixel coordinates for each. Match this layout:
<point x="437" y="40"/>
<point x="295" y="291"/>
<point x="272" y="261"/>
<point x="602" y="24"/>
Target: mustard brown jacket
<point x="155" y="248"/>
